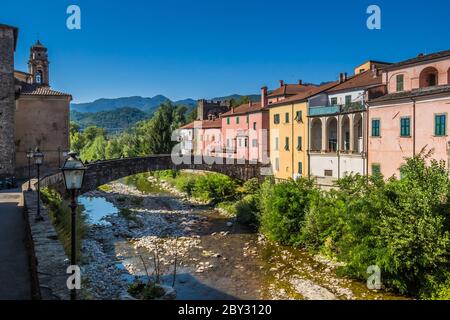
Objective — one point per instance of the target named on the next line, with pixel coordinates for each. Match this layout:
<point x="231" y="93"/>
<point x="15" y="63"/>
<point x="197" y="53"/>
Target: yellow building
<point x="289" y="134"/>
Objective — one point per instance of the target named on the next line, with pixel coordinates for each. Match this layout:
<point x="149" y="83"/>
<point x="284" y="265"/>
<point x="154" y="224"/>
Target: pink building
<point x="245" y="131"/>
<point x="202" y="137"/>
<point x="412" y="115"/>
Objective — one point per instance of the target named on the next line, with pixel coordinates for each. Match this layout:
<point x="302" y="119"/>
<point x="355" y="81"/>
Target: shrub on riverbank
<point x="61" y="216"/>
<point x="402" y="226"/>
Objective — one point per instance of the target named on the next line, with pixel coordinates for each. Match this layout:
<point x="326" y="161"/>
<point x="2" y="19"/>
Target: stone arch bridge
<point x="102" y="172"/>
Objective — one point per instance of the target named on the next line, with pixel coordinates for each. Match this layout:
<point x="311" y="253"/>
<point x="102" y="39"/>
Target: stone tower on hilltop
<point x="38" y="64"/>
<point x="8" y="38"/>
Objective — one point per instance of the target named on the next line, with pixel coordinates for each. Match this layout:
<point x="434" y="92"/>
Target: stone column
<point x="351" y="129"/>
<point x="324" y="134"/>
<point x="7" y="101"/>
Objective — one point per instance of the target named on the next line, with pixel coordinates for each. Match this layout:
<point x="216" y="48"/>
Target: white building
<point x="337" y="125"/>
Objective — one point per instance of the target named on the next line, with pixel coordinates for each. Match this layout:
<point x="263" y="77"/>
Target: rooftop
<point x="205" y="124"/>
<point x="419" y="59"/>
<point x="244" y="109"/>
<point x="35" y="90"/>
<point x="289" y="89"/>
<point x="416" y="93"/>
<point x="360" y="81"/>
<point x="303" y="96"/>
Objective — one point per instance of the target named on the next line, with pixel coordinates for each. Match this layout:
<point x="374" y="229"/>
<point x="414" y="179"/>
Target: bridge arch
<point x="103" y="172"/>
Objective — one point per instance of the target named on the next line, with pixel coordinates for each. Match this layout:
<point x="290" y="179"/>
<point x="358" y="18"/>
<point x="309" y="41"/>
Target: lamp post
<point x="73" y="173"/>
<point x="38" y="160"/>
<point x="29" y="157"/>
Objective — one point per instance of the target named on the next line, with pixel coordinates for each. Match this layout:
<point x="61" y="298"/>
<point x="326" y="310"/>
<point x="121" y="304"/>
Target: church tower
<point x="38" y="64"/>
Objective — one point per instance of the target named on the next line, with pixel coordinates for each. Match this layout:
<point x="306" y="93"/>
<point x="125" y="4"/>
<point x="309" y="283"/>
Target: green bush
<point x="212" y="187"/>
<point x="247" y="211"/>
<point x="185" y="183"/>
<point x="283" y="208"/>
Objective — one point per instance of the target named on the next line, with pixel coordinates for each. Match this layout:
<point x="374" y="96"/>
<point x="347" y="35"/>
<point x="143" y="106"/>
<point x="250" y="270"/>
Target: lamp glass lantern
<point x="38" y="157"/>
<point x="73" y="172"/>
<point x="30" y="154"/>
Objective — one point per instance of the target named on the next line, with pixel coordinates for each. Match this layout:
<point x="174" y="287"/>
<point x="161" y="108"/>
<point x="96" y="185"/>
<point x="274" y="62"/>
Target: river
<point x="216" y="258"/>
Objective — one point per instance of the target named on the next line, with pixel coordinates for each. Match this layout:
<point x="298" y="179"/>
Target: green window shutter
<point x="376" y="169"/>
<point x="237" y="120"/>
<point x="300" y="168"/>
<point x="405" y="127"/>
<point x="228" y="120"/>
<point x="333" y="101"/>
<point x="375" y="128"/>
<point x="348" y="100"/>
<point x="440" y="125"/>
<point x="400" y="82"/>
<point x="286" y="145"/>
<point x="276" y="118"/>
<point x="286" y="117"/>
<point x="299" y="143"/>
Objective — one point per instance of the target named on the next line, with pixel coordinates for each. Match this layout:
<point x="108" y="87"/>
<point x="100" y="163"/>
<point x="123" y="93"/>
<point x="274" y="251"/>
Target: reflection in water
<point x="97" y="209"/>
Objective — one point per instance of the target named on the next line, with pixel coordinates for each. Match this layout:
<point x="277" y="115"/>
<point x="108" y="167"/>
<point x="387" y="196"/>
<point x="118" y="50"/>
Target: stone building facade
<point x="32" y="114"/>
<point x="8" y="39"/>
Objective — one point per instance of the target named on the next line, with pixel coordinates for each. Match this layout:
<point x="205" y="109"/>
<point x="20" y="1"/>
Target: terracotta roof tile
<point x="289" y="89"/>
<point x="306" y="94"/>
<point x="205" y="124"/>
<point x="412" y="94"/>
<point x="244" y="109"/>
<point x="362" y="80"/>
<point x="34" y="90"/>
<point x="419" y="59"/>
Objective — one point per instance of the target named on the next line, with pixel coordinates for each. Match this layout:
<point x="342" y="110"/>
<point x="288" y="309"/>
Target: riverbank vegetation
<point x="400" y="225"/>
<point x="61" y="216"/>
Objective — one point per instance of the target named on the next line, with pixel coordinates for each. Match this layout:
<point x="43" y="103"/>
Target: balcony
<point x="323" y="110"/>
<point x="335" y="109"/>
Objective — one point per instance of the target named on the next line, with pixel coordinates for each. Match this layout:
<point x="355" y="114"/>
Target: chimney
<point x="341" y="77"/>
<point x="374" y="70"/>
<point x="263" y="97"/>
<point x="281" y="83"/>
<point x="345" y="76"/>
<point x="300" y="82"/>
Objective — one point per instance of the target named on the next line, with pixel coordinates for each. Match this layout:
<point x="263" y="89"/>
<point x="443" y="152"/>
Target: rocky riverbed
<point x="215" y="258"/>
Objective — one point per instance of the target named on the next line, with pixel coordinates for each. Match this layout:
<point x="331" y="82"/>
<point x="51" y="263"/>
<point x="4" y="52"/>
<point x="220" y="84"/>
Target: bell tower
<point x="38" y="64"/>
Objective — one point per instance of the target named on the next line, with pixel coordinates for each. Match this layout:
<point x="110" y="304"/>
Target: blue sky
<point x="208" y="48"/>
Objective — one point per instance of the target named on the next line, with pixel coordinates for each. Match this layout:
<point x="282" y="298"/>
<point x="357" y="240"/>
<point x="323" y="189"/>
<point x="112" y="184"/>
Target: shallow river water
<point x="216" y="258"/>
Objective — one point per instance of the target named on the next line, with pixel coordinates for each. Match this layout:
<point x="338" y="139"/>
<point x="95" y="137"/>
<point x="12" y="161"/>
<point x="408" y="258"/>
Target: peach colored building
<point x="413" y="115"/>
<point x="245" y="132"/>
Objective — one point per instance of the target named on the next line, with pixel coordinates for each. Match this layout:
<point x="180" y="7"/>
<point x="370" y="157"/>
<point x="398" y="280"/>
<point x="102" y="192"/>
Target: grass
<point x="61" y="216"/>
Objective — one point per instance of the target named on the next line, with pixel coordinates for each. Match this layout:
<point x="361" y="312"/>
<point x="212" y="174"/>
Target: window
<point x="276" y="144"/>
<point x="440" y="125"/>
<point x="334" y="101"/>
<point x="245" y="143"/>
<point x="348" y="100"/>
<point x="228" y="120"/>
<point x="286" y="143"/>
<point x="237" y="120"/>
<point x="255" y="143"/>
<point x="299" y="116"/>
<point x="405" y="127"/>
<point x="276" y="119"/>
<point x="432" y="79"/>
<point x="39" y="77"/>
<point x="328" y="173"/>
<point x="286" y="117"/>
<point x="376" y="169"/>
<point x="277" y="164"/>
<point x="400" y="82"/>
<point x="299" y="143"/>
<point x="300" y="168"/>
<point x="375" y="127"/>
<point x="254" y="125"/>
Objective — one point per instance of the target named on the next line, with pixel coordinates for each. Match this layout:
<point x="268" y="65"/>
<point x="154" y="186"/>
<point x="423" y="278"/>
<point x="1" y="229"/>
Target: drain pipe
<point x="414" y="126"/>
<point x="366" y="143"/>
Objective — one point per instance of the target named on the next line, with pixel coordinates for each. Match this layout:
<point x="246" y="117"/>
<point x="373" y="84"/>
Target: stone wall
<point x="7" y="96"/>
<point x="50" y="260"/>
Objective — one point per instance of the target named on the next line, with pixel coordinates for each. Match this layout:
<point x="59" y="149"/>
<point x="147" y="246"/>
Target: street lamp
<point x="38" y="160"/>
<point x="73" y="173"/>
<point x="29" y="157"/>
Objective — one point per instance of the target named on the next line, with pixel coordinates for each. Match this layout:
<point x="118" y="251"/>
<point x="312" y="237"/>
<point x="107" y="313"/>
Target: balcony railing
<point x="335" y="109"/>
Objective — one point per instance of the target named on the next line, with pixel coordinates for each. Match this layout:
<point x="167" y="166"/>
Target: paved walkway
<point x="15" y="280"/>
